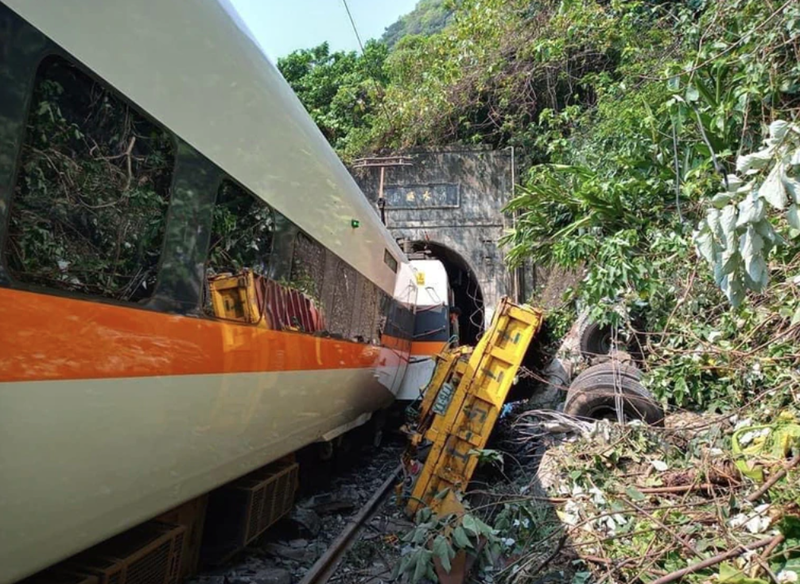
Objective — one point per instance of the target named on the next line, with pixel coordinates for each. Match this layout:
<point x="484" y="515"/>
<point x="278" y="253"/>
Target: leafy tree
<point x="340" y="90"/>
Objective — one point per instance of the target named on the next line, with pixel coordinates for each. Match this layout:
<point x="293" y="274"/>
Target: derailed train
<point x="145" y="148"/>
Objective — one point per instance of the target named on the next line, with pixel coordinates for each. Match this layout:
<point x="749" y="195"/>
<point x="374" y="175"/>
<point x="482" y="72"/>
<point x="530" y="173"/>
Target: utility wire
<point x="353" y="24"/>
<point x="360" y="44"/>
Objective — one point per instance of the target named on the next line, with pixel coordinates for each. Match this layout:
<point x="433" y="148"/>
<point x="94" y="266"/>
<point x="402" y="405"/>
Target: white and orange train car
<point x="145" y="147"/>
<point x="435" y="327"/>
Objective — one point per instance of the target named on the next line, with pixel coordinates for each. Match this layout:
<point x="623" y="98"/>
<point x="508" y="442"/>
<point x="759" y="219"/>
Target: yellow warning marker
<point x="461" y="405"/>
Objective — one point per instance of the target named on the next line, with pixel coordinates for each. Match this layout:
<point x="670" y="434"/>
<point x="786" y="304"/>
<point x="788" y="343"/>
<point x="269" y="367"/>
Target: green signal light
<point x="355" y="223"/>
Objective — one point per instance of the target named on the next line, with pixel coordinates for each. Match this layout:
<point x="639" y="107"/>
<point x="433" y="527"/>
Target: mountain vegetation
<point x="427" y="18"/>
<point x="637" y="123"/>
<point x="342" y="90"/>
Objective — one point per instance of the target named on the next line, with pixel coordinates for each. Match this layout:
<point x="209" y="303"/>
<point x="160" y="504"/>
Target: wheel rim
<point x="604" y="343"/>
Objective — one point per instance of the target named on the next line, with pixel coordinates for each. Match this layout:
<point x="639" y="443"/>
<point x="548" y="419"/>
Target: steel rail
<point x="326" y="565"/>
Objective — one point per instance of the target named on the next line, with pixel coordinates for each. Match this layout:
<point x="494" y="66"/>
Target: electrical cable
<point x="374" y="77"/>
<point x="353" y="24"/>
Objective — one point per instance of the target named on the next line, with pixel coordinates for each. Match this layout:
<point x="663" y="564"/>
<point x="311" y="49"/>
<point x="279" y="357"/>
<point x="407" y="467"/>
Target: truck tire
<point x="594" y="339"/>
<point x="611" y="367"/>
<point x="595" y="397"/>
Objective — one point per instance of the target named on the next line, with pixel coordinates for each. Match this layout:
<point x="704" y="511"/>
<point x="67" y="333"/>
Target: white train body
<point x="433" y="327"/>
<point x="113" y="411"/>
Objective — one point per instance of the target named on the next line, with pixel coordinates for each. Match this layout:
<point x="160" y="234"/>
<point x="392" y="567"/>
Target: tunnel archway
<point x="467" y="293"/>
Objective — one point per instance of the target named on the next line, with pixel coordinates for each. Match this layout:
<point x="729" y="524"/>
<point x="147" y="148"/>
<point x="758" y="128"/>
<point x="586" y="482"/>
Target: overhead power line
<point x="381" y="105"/>
<point x="353" y="24"/>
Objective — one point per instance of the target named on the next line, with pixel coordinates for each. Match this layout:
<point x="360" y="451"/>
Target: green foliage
<point x="665" y="128"/>
<point x="341" y="90"/>
<point x="562" y="203"/>
<point x="488" y="456"/>
<point x="626" y="116"/>
<point x="609" y="477"/>
<point x="441" y="538"/>
<point x="89" y="207"/>
<point x="427" y="18"/>
<point x="736" y="235"/>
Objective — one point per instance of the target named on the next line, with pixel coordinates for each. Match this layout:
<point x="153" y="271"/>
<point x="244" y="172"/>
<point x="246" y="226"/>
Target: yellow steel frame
<point x="233" y="297"/>
<point x="462" y="404"/>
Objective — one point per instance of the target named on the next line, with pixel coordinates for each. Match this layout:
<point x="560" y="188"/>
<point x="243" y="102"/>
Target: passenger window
<point x="88" y="210"/>
<point x="389" y="260"/>
<point x="242" y="232"/>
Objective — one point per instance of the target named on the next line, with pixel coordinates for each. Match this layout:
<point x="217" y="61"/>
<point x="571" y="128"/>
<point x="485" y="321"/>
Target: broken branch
<point x="678" y="574"/>
<point x="755" y="495"/>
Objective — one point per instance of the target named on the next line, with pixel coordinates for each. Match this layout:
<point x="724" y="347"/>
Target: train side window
<point x="89" y="205"/>
<point x="242" y="231"/>
<point x="389" y="260"/>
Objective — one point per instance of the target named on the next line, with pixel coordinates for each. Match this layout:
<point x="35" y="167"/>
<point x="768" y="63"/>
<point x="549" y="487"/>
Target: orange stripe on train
<point x="427" y="347"/>
<point x="45" y="337"/>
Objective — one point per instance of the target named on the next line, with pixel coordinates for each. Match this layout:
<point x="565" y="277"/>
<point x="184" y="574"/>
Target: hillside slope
<point x="427" y="18"/>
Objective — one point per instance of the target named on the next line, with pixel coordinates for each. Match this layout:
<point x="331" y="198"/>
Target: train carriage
<point x="148" y="151"/>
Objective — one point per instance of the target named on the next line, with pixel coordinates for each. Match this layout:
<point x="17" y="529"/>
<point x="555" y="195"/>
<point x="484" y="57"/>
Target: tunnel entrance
<point x="467" y="293"/>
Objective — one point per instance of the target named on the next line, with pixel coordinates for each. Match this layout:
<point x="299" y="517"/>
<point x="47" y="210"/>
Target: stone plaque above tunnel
<point x="422" y="196"/>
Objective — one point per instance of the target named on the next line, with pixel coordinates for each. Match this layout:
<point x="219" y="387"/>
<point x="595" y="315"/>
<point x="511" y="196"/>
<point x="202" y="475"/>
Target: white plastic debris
<point x="659" y="465"/>
<point x="597" y="496"/>
<point x="758" y="524"/>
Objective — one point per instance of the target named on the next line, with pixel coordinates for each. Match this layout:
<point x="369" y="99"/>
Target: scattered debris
<point x="702" y="498"/>
<point x="307" y="520"/>
<point x="344" y="499"/>
<point x="284" y="554"/>
<point x="272" y="576"/>
<point x="298" y="550"/>
<point x="636" y="503"/>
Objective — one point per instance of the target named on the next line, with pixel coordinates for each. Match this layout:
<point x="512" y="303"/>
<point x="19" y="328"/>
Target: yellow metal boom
<point x="461" y="405"/>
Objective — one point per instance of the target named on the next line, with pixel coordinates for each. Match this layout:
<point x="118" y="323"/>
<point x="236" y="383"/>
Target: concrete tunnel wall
<point x="453" y="198"/>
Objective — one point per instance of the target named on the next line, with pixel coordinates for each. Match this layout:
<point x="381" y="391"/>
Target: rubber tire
<point x="588" y="397"/>
<point x="611" y="368"/>
<point x="594" y="339"/>
<point x="608" y="382"/>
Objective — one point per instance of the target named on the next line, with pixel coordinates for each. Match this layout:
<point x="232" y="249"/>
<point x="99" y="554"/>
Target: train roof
<point x="194" y="67"/>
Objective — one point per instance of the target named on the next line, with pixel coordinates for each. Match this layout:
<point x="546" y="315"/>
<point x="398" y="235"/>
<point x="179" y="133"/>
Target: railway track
<point x="325" y="567"/>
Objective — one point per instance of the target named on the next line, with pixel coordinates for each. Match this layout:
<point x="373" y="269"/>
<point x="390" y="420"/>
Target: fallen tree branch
<point x="562" y="540"/>
<point x="597" y="560"/>
<point x="755" y="495"/>
<point x="678" y="574"/>
<point x="618" y="565"/>
<point x="680" y="488"/>
<point x="778" y="540"/>
<point x="677" y="538"/>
